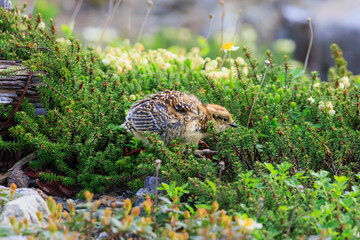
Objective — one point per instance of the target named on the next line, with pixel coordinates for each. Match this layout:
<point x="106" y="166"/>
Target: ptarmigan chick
<point x="174" y="114"/>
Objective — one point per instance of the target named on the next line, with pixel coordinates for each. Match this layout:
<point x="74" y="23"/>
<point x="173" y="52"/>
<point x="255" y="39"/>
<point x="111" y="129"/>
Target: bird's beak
<point x="233" y="125"/>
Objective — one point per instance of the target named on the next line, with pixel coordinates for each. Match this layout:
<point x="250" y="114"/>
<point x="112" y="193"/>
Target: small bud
<point x="215" y="206"/>
<point x="201" y="213"/>
<point x="267" y="62"/>
<point x="222" y="165"/>
<point x="52" y="227"/>
<point x="176" y="199"/>
<point x="127" y="205"/>
<point x="150" y="4"/>
<point x="212" y="220"/>
<point x="12" y="220"/>
<point x="40" y="216"/>
<point x="146" y="206"/>
<point x="13" y="186"/>
<point x="88" y="196"/>
<point x="187" y="214"/>
<point x="107" y="213"/>
<point x="158" y="163"/>
<point x="211" y="16"/>
<point x="135" y="211"/>
<point x="51" y="204"/>
<point x="26" y="221"/>
<point x="71" y="208"/>
<point x="261" y="201"/>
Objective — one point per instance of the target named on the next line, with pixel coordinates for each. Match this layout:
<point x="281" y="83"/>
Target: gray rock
<point x="27" y="205"/>
<point x="150" y="182"/>
<point x="22" y="192"/>
<point x="18" y="177"/>
<point x="14" y="238"/>
<point x="149" y="188"/>
<point x="40" y="111"/>
<point x="127" y="194"/>
<point x="102" y="235"/>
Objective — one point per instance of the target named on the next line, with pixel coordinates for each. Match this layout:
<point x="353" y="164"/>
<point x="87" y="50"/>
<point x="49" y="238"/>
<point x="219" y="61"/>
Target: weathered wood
<point x="12" y="87"/>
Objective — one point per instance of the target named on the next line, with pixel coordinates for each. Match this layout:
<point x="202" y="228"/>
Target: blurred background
<point x="278" y="25"/>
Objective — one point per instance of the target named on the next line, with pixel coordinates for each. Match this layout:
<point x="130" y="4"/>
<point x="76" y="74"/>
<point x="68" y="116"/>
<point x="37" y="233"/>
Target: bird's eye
<point x="226" y="119"/>
<point x="214" y="116"/>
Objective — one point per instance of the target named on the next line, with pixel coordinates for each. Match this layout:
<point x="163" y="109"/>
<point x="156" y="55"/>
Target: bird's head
<point x="220" y="116"/>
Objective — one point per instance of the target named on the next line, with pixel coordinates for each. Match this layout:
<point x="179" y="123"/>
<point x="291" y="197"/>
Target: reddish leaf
<point x="34" y="173"/>
<point x="55" y="188"/>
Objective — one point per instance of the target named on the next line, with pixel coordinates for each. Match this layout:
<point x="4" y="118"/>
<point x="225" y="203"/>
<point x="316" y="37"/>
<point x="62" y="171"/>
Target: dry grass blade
<point x="109" y="20"/>
<point x="310" y="44"/>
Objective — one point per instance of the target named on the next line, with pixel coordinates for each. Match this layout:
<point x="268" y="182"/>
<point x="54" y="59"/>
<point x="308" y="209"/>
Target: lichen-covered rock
<point x="27" y="205"/>
<point x="18" y="177"/>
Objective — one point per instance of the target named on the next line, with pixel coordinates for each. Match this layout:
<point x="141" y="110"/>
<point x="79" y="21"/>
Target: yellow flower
<point x="229" y="46"/>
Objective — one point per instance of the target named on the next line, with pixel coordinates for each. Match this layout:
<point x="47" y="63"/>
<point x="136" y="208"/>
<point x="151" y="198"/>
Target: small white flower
<point x="331" y="112"/>
<point x="196" y="62"/>
<point x="211" y="66"/>
<point x="106" y="61"/>
<point x="316" y="85"/>
<point x="321" y="106"/>
<point x="329" y="105"/>
<point x="41" y="25"/>
<point x="345" y="81"/>
<point x="132" y="97"/>
<point x="240" y="61"/>
<point x="341" y="86"/>
<point x="166" y="66"/>
<point x="128" y="67"/>
<point x="311" y="100"/>
<point x="224" y="70"/>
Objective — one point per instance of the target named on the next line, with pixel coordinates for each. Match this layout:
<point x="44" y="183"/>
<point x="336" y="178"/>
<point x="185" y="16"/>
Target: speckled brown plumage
<point x="174" y="114"/>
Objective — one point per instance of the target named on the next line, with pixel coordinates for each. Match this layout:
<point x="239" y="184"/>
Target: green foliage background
<point x="81" y="140"/>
